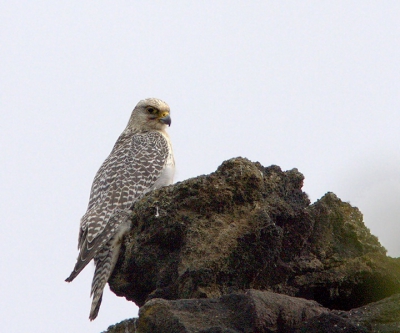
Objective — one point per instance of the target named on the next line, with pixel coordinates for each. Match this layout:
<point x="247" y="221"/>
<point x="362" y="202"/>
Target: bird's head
<point x="150" y="114"/>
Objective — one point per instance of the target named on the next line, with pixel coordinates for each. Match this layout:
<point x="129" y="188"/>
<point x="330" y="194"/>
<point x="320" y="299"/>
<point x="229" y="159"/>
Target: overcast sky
<point x="312" y="85"/>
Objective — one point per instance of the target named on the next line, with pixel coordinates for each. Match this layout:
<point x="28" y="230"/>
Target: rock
<point x="214" y="234"/>
<point x="246" y="226"/>
<point x="256" y="311"/>
<point x="126" y="326"/>
<point x="345" y="267"/>
<point x="339" y="231"/>
<point x="352" y="283"/>
<point x="377" y="317"/>
<point x="331" y="323"/>
<point x="353" y="268"/>
<point x="251" y="311"/>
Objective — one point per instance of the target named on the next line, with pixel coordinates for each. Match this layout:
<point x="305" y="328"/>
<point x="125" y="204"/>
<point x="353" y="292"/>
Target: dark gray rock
<point x="251" y="311"/>
<point x="250" y="227"/>
<point x="246" y="226"/>
<point x="126" y="326"/>
<point x="331" y="323"/>
<point x="215" y="234"/>
<point x="378" y="317"/>
<point x="255" y="311"/>
<point x="352" y="267"/>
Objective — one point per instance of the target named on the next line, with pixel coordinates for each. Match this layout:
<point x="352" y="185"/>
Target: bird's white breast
<point x="167" y="175"/>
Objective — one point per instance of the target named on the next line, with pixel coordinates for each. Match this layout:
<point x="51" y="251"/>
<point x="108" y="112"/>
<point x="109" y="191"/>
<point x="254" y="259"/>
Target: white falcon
<point x="141" y="161"/>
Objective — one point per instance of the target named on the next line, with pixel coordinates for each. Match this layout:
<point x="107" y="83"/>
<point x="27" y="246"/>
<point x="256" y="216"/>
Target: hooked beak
<point x="166" y="120"/>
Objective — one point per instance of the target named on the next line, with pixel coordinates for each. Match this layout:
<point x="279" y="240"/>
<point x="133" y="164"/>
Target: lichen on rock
<point x="245" y="227"/>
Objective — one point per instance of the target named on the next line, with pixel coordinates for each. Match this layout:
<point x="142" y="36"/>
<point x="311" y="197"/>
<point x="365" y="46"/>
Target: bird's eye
<point x="151" y="110"/>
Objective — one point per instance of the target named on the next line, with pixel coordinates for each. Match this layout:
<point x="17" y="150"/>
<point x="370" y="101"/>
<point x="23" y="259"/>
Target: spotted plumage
<point x="140" y="161"/>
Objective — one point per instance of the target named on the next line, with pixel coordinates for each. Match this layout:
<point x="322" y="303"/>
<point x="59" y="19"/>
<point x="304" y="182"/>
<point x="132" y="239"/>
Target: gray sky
<point x="307" y="84"/>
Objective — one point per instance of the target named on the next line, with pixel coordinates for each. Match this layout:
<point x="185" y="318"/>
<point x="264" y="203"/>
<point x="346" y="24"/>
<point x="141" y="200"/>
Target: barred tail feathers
<point x="116" y="227"/>
<point x="105" y="262"/>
